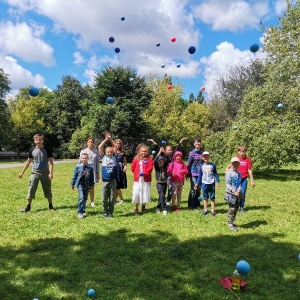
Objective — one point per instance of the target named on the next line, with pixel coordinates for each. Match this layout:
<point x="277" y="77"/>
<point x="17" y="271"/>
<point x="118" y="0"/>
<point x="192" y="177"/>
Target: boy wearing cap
<point x="207" y="179"/>
<point x="233" y="190"/>
<point x="160" y="166"/>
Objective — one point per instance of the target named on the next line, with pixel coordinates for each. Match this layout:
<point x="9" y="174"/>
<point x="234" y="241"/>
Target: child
<point x="109" y="174"/>
<point x="194" y="161"/>
<point x="208" y="175"/>
<point x="160" y="166"/>
<point x="245" y="169"/>
<point x="93" y="156"/>
<point x="141" y="166"/>
<point x="233" y="189"/>
<point x="83" y="179"/>
<point x="167" y="153"/>
<point x="42" y="171"/>
<point x="177" y="170"/>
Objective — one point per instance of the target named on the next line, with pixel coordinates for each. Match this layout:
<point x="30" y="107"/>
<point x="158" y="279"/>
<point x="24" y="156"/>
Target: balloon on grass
<point x="243" y="267"/>
<point x="91" y="292"/>
<point x="235" y="127"/>
<point x="279" y="105"/>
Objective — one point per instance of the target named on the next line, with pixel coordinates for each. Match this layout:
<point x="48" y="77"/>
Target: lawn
<point x="54" y="255"/>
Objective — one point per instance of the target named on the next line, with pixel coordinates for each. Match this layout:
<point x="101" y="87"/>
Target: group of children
<point x="170" y="174"/>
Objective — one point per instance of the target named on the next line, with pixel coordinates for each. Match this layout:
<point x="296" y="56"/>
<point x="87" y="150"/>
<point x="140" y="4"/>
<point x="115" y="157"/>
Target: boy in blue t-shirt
<point x="109" y="175"/>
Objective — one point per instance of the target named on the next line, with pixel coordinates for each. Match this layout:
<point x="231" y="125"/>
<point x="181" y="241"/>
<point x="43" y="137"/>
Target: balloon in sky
<point x="111" y="39"/>
<point x="203" y="88"/>
<point x="169" y="87"/>
<point x="157" y="44"/>
<point x="254" y="48"/>
<point x="110" y="100"/>
<point x="33" y="91"/>
<point x="117" y="50"/>
<point x="162" y="65"/>
<point x="192" y="49"/>
<point x="173" y="39"/>
<point x="178" y="65"/>
<point x="122" y="18"/>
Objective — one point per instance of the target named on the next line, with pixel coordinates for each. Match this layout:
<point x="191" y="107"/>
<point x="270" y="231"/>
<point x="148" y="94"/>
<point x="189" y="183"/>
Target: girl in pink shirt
<point x="177" y="170"/>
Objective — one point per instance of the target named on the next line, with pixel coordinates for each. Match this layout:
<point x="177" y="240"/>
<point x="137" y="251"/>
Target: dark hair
<point x="197" y="139"/>
<point x="90" y="138"/>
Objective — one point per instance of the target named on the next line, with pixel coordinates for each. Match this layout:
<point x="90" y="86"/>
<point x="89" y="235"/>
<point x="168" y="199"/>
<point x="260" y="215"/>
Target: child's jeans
<point x="82" y="198"/>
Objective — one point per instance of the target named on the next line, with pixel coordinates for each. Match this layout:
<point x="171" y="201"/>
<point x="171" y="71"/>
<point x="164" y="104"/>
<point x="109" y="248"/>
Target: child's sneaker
<point x="110" y="216"/>
<point x="242" y="210"/>
<point x="213" y="213"/>
<point x="168" y="203"/>
<point x="143" y="208"/>
<point x="80" y="216"/>
<point x="26" y="209"/>
<point x="121" y="202"/>
<point x="165" y="212"/>
<point x="177" y="210"/>
<point x="204" y="213"/>
<point x="136" y="212"/>
<point x="104" y="215"/>
<point x="93" y="204"/>
<point x="51" y="207"/>
<point x="233" y="228"/>
<point x="157" y="210"/>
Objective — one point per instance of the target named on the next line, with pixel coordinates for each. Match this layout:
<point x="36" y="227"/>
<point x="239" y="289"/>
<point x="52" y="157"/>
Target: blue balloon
<point x="110" y="100"/>
<point x="235" y="127"/>
<point x="111" y="39"/>
<point x="279" y="105"/>
<point x="33" y="91"/>
<point x="141" y="173"/>
<point x="122" y="18"/>
<point x="153" y="152"/>
<point x="117" y="50"/>
<point x="299" y="257"/>
<point x="157" y="44"/>
<point x="254" y="48"/>
<point x="162" y="65"/>
<point x="192" y="49"/>
<point x="243" y="267"/>
<point x="200" y="198"/>
<point x="178" y="65"/>
<point x="163" y="142"/>
<point x="91" y="292"/>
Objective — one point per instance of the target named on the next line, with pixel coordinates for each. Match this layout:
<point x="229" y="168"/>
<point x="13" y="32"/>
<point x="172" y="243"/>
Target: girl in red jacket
<point x="141" y="166"/>
<point x="177" y="170"/>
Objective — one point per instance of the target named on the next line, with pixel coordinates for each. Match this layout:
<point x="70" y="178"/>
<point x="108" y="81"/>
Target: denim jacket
<point x="89" y="176"/>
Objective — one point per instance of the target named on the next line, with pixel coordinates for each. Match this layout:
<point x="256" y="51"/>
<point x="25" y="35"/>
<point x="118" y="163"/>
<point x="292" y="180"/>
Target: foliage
<point x="65" y="112"/>
<point x="5" y="122"/>
<point x="164" y="112"/>
<point x="200" y="98"/>
<point x="27" y="116"/>
<point x="191" y="98"/>
<point x="53" y="255"/>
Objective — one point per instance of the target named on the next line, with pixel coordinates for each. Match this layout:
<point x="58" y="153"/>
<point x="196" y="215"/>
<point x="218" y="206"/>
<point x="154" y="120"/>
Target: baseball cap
<point x="205" y="153"/>
<point x="234" y="159"/>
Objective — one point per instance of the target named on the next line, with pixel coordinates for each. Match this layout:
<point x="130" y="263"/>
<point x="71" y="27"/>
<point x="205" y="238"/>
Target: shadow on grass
<point x="280" y="175"/>
<point x="126" y="265"/>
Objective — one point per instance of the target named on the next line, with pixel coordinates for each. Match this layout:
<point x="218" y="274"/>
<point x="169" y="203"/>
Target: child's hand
<point x="183" y="140"/>
<point x="196" y="187"/>
<point x="236" y="193"/>
<point x="252" y="183"/>
<point x="151" y="140"/>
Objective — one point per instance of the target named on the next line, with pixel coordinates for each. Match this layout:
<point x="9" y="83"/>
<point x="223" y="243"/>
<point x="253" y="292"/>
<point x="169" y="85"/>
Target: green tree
<point x="5" y="124"/>
<point x="200" y="98"/>
<point x="123" y="118"/>
<point x="27" y="116"/>
<point x="191" y="98"/>
<point x="163" y="114"/>
<point x="65" y="112"/>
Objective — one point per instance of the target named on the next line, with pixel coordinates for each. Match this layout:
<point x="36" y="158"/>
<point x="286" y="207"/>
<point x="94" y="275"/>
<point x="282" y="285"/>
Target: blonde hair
<point x="122" y="150"/>
<point x="242" y="148"/>
<point x="38" y="135"/>
<point x="109" y="148"/>
<point x="138" y="154"/>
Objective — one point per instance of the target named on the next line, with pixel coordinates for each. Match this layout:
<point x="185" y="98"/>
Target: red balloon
<point x="203" y="88"/>
<point x="169" y="87"/>
<point x="173" y="39"/>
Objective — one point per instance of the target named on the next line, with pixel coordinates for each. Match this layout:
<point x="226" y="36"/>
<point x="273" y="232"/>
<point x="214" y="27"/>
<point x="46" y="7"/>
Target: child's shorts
<point x="208" y="191"/>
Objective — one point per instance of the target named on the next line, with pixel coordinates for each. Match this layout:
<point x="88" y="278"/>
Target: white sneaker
<point x="168" y="203"/>
<point x="92" y="204"/>
<point x="165" y="212"/>
<point x="158" y="210"/>
<point x="80" y="216"/>
<point x="121" y="202"/>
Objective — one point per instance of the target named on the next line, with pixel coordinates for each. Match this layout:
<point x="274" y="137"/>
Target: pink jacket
<point x="177" y="171"/>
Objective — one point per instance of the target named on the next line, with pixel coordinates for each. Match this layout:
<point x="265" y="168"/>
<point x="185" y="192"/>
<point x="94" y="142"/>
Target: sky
<point x="43" y="40"/>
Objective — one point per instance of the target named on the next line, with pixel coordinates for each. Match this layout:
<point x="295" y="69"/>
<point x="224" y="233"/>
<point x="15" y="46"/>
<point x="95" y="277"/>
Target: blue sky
<point x="43" y="40"/>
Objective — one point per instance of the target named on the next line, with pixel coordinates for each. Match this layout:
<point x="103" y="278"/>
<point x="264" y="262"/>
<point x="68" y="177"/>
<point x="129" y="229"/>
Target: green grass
<point x="180" y="256"/>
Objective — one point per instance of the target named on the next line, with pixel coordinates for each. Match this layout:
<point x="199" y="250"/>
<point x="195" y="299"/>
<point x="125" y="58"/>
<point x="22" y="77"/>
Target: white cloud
<point x="25" y="42"/>
<point x="280" y="7"/>
<point x="232" y="15"/>
<point x="19" y="76"/>
<point x="220" y="61"/>
<point x="79" y="59"/>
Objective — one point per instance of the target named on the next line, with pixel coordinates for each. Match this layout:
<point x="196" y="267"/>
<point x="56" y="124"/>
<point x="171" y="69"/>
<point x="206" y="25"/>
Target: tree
<point x="191" y="98"/>
<point x="65" y="112"/>
<point x="5" y="123"/>
<point x="123" y="118"/>
<point x="200" y="98"/>
<point x="27" y="116"/>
